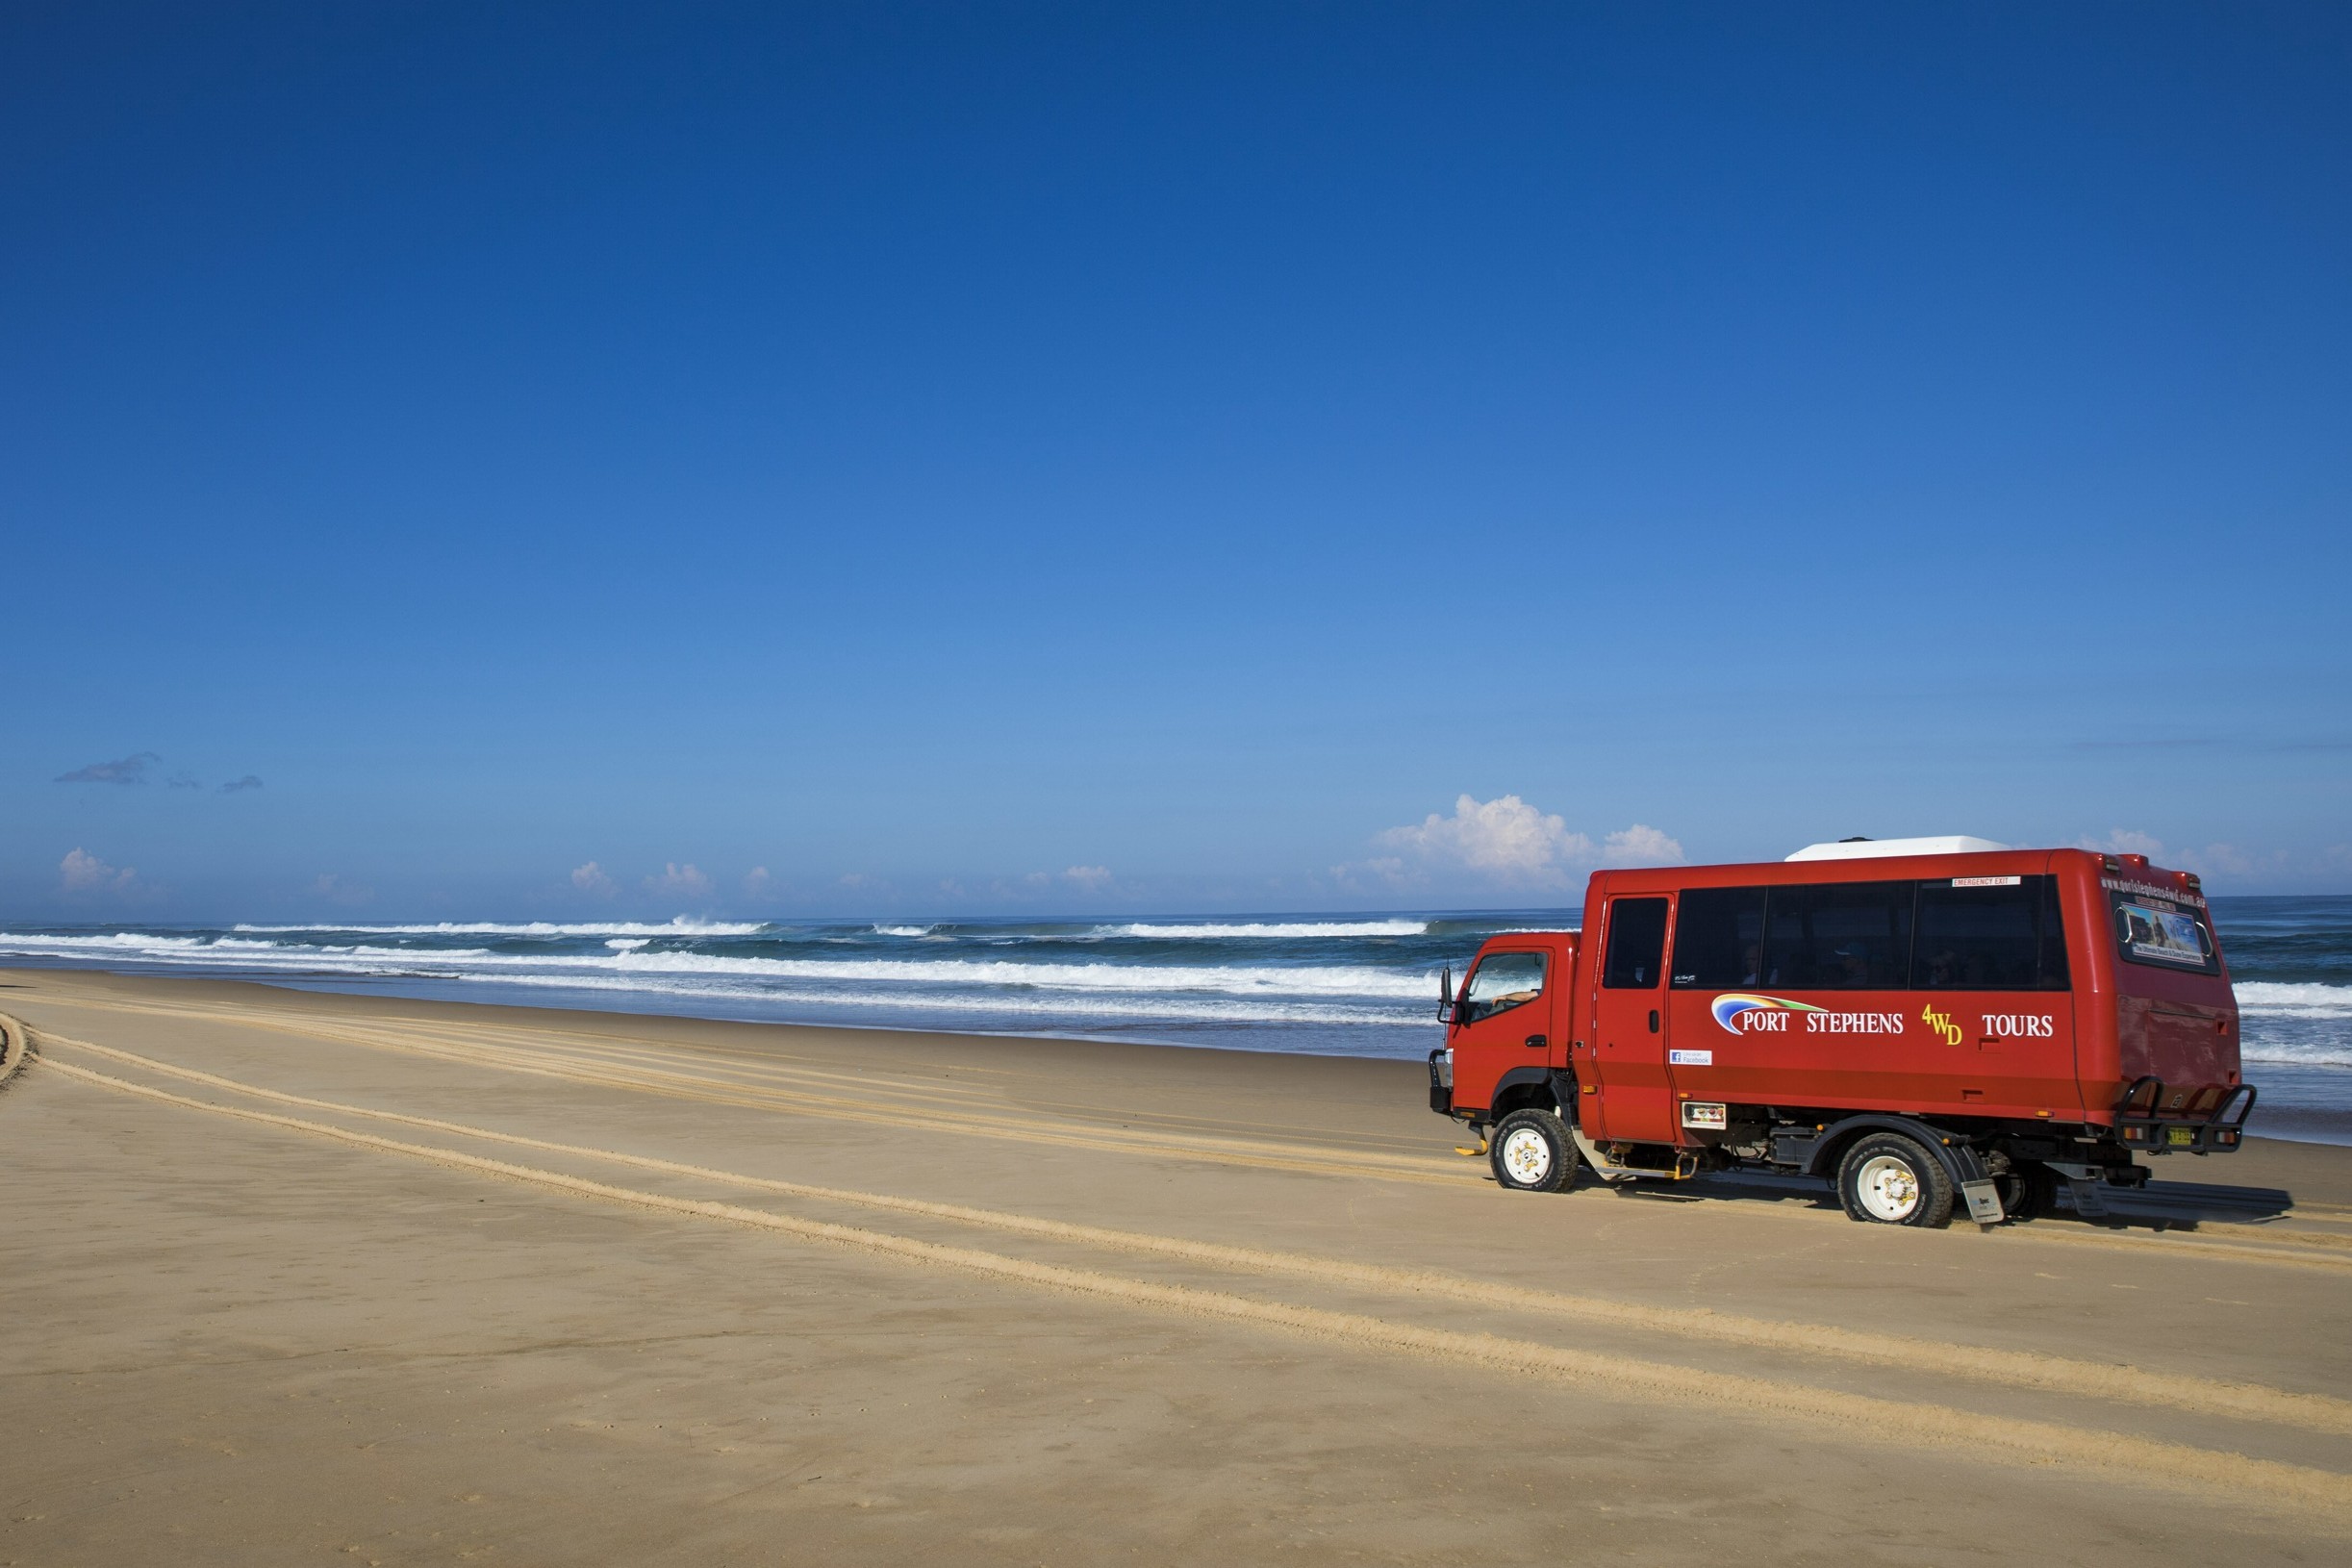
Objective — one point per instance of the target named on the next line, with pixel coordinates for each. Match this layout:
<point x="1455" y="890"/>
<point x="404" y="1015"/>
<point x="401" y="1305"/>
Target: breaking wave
<point x="2270" y="998"/>
<point x="631" y="958"/>
<point x="679" y="927"/>
<point x="1247" y="931"/>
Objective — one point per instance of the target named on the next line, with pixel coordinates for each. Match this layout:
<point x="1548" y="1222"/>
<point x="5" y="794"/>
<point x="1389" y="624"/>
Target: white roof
<point x="1949" y="844"/>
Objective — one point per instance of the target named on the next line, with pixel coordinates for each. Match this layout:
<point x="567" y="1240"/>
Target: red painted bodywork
<point x="2055" y="1057"/>
<point x="1491" y="1047"/>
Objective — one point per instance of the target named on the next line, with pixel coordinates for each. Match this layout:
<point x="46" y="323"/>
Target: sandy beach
<point x="298" y="1277"/>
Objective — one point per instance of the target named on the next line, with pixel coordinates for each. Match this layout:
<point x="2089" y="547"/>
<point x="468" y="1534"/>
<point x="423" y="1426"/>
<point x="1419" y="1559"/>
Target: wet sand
<point x="294" y="1277"/>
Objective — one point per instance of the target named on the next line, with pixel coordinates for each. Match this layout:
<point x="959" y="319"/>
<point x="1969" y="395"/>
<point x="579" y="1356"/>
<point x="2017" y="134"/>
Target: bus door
<point x="1634" y="1102"/>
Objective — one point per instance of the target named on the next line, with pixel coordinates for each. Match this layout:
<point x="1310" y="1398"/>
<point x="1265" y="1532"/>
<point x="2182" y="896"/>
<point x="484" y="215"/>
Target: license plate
<point x="2181" y="1137"/>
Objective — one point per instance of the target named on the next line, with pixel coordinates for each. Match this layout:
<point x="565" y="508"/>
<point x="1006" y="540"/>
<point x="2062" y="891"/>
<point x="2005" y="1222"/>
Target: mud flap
<point x="2083" y="1183"/>
<point x="1984" y="1201"/>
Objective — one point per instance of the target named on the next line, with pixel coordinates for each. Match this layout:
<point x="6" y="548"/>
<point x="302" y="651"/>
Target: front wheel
<point x="1889" y="1180"/>
<point x="1530" y="1151"/>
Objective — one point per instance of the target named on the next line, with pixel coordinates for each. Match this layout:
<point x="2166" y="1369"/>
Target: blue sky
<point x="971" y="458"/>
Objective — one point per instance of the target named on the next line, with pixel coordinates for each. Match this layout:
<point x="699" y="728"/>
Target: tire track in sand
<point x="2290" y="1250"/>
<point x="2275" y="1249"/>
<point x="866" y="1110"/>
<point x="2317" y="1496"/>
<point x="2020" y="1369"/>
<point x="885" y="1082"/>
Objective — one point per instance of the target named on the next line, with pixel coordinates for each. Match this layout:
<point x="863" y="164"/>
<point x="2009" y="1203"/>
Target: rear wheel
<point x="2028" y="1191"/>
<point x="1888" y="1179"/>
<point x="1530" y="1151"/>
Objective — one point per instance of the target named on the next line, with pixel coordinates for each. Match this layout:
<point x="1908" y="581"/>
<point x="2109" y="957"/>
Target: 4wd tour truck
<point x="1922" y="1020"/>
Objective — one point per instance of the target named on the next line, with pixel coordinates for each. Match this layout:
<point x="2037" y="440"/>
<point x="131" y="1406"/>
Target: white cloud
<point x="2124" y="841"/>
<point x="1503" y="838"/>
<point x="1093" y="878"/>
<point x="1505" y="841"/>
<point x="81" y="872"/>
<point x="2226" y="859"/>
<point x="335" y="890"/>
<point x="2233" y="866"/>
<point x="590" y="879"/>
<point x="678" y="881"/>
<point x="1639" y="845"/>
<point x="757" y="882"/>
<point x="130" y="770"/>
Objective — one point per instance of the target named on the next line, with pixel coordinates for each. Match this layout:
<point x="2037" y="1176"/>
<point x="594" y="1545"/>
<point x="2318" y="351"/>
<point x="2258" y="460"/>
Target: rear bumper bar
<point x="2212" y="1122"/>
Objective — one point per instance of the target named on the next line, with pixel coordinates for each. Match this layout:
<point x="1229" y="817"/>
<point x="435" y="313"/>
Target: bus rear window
<point x="2163" y="932"/>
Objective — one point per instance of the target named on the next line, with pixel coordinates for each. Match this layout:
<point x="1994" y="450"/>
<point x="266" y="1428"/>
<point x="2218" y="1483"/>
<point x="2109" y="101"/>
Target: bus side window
<point x="1838" y="936"/>
<point x="1636" y="944"/>
<point x="1989" y="934"/>
<point x="1719" y="938"/>
<point x="1984" y="938"/>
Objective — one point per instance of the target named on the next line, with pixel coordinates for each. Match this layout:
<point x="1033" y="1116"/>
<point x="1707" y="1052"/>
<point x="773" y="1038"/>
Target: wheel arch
<point x="1961" y="1162"/>
<point x="1525" y="1087"/>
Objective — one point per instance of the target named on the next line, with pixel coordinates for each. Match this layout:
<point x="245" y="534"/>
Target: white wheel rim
<point x="1888" y="1188"/>
<point x="1526" y="1154"/>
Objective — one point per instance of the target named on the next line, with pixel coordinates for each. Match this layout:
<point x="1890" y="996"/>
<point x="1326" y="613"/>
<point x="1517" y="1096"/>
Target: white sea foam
<point x="905" y="931"/>
<point x="681" y="925"/>
<point x="1193" y="1009"/>
<point x="2272" y="998"/>
<point x="224" y="952"/>
<point x="133" y="942"/>
<point x="1338" y="980"/>
<point x="1282" y="929"/>
<point x="1352" y="980"/>
<point x="2294" y="1054"/>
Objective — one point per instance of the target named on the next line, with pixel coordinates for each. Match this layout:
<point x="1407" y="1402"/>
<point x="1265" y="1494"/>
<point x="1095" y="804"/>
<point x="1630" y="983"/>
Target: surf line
<point x="2126" y="1384"/>
<point x="2172" y="1465"/>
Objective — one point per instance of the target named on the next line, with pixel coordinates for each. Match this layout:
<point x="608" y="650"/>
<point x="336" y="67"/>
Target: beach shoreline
<point x="308" y="1273"/>
<point x="2299" y="1103"/>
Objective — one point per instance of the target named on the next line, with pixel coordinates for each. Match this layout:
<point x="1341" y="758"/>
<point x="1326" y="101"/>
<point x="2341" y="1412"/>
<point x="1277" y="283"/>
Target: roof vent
<point x="1952" y="843"/>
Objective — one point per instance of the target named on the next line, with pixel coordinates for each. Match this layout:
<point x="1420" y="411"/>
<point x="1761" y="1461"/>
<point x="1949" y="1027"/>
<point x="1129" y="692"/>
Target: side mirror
<point x="1445" y="995"/>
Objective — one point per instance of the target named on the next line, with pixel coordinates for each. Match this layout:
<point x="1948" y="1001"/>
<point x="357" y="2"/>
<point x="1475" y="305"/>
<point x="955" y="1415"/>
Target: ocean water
<point x="1346" y="985"/>
<point x="2290" y="964"/>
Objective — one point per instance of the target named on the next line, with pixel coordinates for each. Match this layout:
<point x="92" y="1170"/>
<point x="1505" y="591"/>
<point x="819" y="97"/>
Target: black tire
<point x="1888" y="1179"/>
<point x="2029" y="1192"/>
<point x="1530" y="1150"/>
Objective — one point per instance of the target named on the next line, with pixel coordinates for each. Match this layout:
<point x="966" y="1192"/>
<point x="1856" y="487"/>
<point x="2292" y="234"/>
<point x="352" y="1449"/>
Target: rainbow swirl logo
<point x="1732" y="1003"/>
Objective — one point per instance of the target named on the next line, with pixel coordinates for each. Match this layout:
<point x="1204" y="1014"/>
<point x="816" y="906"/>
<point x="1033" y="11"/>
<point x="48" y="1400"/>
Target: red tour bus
<point x="1921" y="1020"/>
